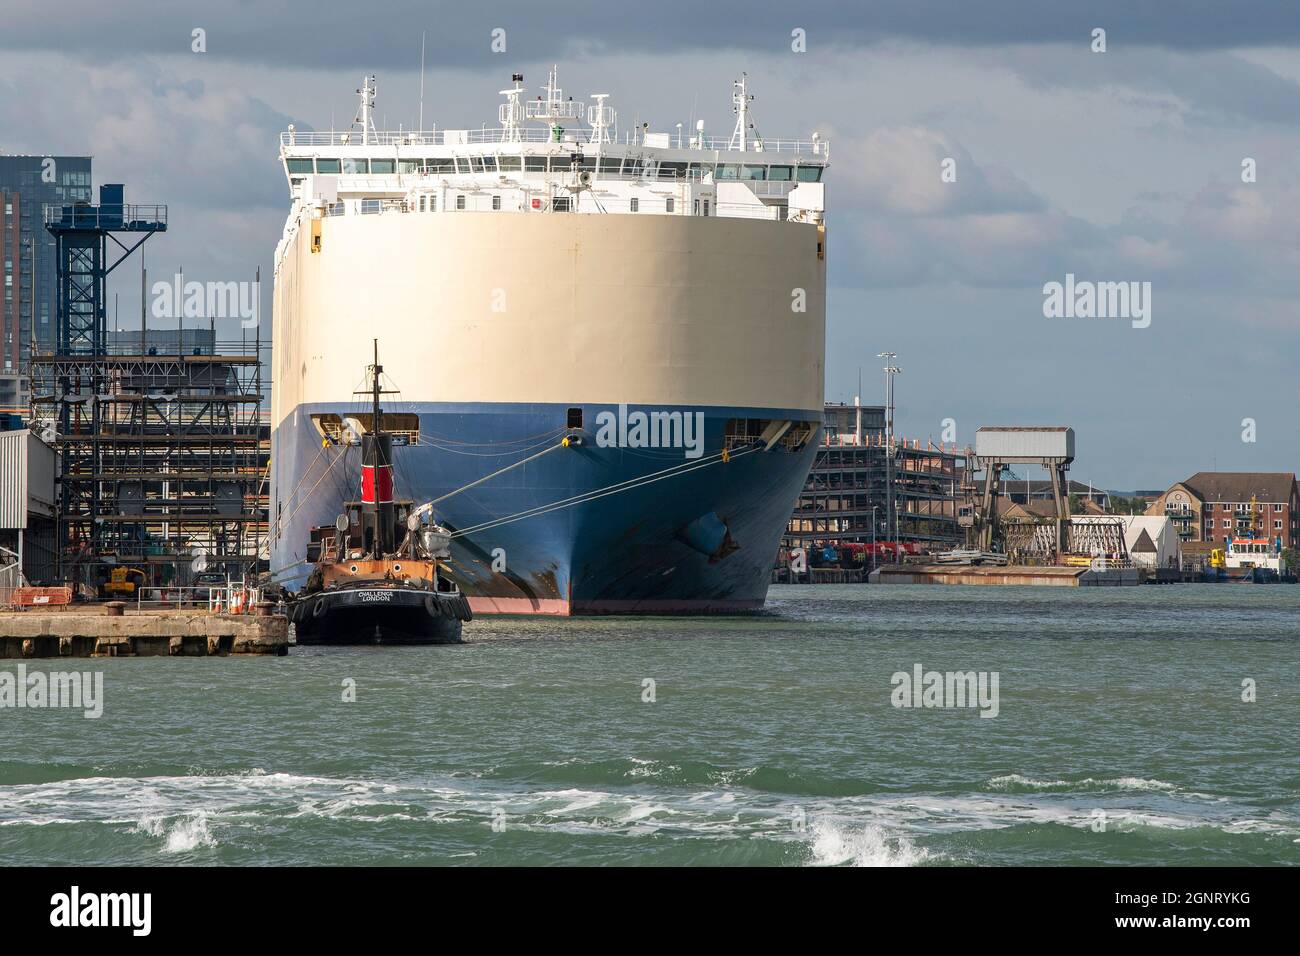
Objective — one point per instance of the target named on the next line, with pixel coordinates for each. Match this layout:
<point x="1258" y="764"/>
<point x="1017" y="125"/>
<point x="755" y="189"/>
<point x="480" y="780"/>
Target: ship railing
<point x="741" y="210"/>
<point x="722" y="210"/>
<point x="473" y="137"/>
<point x="373" y="207"/>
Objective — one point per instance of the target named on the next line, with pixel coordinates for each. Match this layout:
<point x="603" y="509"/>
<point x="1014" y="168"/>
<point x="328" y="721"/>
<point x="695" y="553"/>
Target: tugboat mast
<point x="376" y="424"/>
<point x="377" y="474"/>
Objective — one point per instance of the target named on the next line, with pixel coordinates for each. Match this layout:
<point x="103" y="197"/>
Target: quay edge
<point x="27" y="635"/>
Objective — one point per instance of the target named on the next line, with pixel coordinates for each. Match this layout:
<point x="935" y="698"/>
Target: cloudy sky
<point x="1117" y="166"/>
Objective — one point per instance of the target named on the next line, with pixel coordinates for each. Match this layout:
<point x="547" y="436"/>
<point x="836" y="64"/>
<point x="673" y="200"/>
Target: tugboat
<point x="375" y="576"/>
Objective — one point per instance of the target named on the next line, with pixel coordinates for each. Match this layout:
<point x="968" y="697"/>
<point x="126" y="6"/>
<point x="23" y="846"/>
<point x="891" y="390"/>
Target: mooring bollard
<point x="115" y="608"/>
<point x="264" y="608"/>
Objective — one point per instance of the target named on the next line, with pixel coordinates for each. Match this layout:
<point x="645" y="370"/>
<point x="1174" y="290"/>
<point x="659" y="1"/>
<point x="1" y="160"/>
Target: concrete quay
<point x="108" y="631"/>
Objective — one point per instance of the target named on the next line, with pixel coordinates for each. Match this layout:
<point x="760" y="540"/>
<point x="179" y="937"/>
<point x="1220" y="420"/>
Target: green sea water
<point x="1121" y="737"/>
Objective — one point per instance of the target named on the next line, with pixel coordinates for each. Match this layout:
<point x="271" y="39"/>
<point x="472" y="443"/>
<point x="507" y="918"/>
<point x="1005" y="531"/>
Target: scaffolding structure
<point x="164" y="449"/>
<point x="846" y="499"/>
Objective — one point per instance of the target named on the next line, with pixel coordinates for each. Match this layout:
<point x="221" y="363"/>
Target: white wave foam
<point x="837" y="845"/>
<point x="1010" y="780"/>
<point x="189" y="833"/>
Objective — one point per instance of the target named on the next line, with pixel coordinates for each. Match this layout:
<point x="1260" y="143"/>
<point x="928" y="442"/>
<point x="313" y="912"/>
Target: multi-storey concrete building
<point x="845" y="500"/>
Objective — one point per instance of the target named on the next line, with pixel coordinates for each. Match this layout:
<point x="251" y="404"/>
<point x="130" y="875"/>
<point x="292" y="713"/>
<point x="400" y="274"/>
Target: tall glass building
<point x="27" y="251"/>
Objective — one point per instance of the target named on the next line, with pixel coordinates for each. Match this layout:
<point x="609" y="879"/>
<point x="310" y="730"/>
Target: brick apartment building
<point x="1212" y="506"/>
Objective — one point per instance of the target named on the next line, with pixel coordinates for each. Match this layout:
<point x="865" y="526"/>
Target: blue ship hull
<point x="692" y="535"/>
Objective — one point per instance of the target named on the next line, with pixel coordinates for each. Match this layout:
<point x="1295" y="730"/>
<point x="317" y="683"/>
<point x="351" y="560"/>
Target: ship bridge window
<point x="509" y="164"/>
<point x="441" y="166"/>
<point x="336" y="430"/>
<point x="753" y="172"/>
<point x="381" y="166"/>
<point x="672" y="170"/>
<point x="477" y="164"/>
<point x="611" y="165"/>
<point x="726" y="171"/>
<point x="535" y="164"/>
<point x="327" y="166"/>
<point x="410" y="165"/>
<point x="810" y="174"/>
<point x="300" y="166"/>
<point x="781" y="174"/>
<point x="356" y="166"/>
<point x="589" y="163"/>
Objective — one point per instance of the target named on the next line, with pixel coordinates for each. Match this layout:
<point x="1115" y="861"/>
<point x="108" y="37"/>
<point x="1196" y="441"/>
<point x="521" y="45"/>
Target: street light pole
<point x="874" y="509"/>
<point x="891" y="513"/>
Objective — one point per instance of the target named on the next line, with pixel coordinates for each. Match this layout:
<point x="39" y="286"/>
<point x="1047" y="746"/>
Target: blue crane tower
<point x="82" y="234"/>
<point x="73" y="382"/>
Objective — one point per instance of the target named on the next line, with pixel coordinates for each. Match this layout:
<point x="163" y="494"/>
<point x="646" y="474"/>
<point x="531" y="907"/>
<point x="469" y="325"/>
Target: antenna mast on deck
<point x="511" y="112"/>
<point x="554" y="107"/>
<point x="741" y="99"/>
<point x="367" y="107"/>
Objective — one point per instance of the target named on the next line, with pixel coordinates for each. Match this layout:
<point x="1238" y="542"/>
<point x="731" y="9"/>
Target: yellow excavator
<point x="118" y="585"/>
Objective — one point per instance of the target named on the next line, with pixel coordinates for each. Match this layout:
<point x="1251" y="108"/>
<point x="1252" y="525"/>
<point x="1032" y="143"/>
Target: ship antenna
<point x="741" y="99"/>
<point x="367" y="94"/>
<point x="511" y="112"/>
<point x="420" y="125"/>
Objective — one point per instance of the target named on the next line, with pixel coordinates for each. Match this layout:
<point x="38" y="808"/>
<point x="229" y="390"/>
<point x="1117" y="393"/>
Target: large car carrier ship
<point x="610" y="344"/>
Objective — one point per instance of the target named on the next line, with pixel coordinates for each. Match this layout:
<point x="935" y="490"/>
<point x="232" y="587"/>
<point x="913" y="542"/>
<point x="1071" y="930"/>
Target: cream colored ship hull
<point x="531" y="307"/>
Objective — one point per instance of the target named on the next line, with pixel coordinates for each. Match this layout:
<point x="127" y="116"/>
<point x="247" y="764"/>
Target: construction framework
<point x="164" y="450"/>
<point x="848" y="489"/>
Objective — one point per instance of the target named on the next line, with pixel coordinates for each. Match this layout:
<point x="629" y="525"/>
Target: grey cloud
<point x="1206" y="87"/>
<point x="350" y="35"/>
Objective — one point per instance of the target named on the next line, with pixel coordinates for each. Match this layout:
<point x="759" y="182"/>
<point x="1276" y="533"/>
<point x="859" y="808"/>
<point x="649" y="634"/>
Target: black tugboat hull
<point x="379" y="616"/>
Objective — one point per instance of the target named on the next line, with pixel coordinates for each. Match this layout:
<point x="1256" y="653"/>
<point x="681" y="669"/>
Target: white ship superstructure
<point x="575" y="161"/>
<point x="532" y="280"/>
